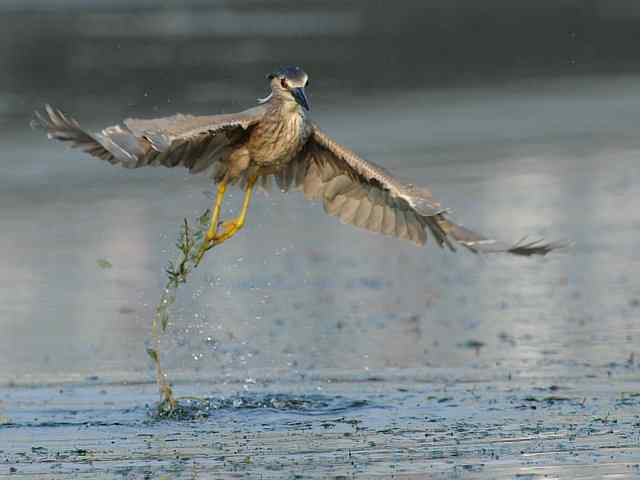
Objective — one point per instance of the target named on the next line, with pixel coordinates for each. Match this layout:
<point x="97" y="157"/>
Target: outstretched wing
<point x="194" y="142"/>
<point x="364" y="194"/>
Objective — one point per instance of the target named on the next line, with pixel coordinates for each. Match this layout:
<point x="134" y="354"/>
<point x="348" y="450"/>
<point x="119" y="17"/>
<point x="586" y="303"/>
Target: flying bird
<point x="276" y="139"/>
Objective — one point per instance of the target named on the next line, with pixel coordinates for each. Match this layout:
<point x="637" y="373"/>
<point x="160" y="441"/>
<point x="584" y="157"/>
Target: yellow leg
<point x="231" y="227"/>
<point x="213" y="225"/>
<point x="215" y="213"/>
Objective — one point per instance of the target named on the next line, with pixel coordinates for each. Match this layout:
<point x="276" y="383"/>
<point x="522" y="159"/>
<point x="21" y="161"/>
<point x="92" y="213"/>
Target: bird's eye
<point x="284" y="83"/>
<point x="306" y="83"/>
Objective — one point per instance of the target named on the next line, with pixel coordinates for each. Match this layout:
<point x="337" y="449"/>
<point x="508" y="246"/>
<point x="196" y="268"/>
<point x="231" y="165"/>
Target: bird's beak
<point x="301" y="98"/>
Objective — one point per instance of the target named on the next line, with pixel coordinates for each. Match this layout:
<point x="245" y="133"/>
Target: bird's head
<point x="289" y="83"/>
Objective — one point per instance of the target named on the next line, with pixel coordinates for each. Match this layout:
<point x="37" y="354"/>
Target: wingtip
<point x="39" y="122"/>
<point x="539" y="247"/>
<point x="51" y="113"/>
<point x="477" y="243"/>
<point x="46" y="120"/>
<point x="36" y="123"/>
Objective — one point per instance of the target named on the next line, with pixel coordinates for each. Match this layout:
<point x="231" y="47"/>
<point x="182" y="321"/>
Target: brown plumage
<point x="276" y="139"/>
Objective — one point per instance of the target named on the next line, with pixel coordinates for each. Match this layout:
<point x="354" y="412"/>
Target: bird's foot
<point x="210" y="241"/>
<point x="229" y="228"/>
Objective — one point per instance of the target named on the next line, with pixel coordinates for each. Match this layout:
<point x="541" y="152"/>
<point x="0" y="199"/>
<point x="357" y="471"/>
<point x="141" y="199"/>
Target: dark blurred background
<point x="197" y="52"/>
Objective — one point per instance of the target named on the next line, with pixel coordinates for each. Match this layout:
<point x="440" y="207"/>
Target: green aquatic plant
<point x="177" y="274"/>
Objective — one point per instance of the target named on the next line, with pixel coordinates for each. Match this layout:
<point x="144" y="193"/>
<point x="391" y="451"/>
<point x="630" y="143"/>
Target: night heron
<point x="277" y="139"/>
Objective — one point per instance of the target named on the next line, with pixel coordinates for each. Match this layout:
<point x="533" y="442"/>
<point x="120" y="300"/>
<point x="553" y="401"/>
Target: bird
<point x="276" y="140"/>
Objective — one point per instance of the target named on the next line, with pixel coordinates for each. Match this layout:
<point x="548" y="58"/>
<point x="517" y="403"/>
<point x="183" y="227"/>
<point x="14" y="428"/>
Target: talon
<point x="228" y="226"/>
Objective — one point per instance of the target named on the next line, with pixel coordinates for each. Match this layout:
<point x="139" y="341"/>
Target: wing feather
<point x="389" y="220"/>
<point x="349" y="210"/>
<point x="375" y="218"/>
<point x="366" y="195"/>
<point x="194" y="142"/>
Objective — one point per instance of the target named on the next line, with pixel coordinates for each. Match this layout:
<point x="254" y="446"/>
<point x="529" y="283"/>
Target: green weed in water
<point x="177" y="274"/>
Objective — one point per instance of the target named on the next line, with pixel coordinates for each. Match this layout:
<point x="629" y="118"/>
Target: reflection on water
<point x="296" y="292"/>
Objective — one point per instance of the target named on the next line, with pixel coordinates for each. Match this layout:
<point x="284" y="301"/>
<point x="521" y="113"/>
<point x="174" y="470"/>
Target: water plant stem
<point x="177" y="274"/>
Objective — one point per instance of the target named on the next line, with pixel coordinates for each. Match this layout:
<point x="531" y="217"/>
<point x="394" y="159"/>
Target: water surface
<point x="323" y="350"/>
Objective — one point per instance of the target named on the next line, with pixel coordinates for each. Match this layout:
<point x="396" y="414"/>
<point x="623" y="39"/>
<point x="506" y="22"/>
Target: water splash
<point x="314" y="404"/>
